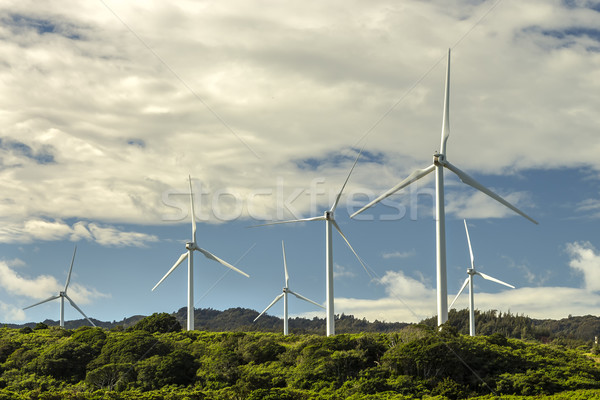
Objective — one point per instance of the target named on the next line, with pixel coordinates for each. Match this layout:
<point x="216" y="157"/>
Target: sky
<point x="107" y="107"/>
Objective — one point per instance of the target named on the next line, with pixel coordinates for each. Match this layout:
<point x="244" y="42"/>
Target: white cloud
<point x="114" y="128"/>
<point x="473" y="204"/>
<point x="39" y="229"/>
<point x="15" y="262"/>
<point x="399" y="254"/>
<point x="43" y="286"/>
<point x="590" y="207"/>
<point x="412" y="300"/>
<point x="586" y="261"/>
<point x="9" y="312"/>
<point x="85" y="295"/>
<point x="339" y="271"/>
<point x="527" y="271"/>
<point x="401" y="286"/>
<point x="38" y="288"/>
<point x="539" y="302"/>
<point x="109" y="236"/>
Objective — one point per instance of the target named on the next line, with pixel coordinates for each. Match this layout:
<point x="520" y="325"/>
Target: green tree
<point x="40" y="325"/>
<point x="111" y="376"/>
<point x="176" y="368"/>
<point x="66" y="360"/>
<point x="158" y="323"/>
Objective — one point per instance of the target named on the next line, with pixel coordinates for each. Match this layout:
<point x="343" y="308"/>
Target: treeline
<point x="574" y="330"/>
<point x="155" y="359"/>
<point x="241" y="319"/>
<point x="582" y="328"/>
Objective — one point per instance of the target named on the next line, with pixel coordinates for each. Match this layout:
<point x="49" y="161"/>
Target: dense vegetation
<point x="582" y="328"/>
<point x="155" y="359"/>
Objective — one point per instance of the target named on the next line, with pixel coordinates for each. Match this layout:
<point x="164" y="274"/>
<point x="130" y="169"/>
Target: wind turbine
<point x="472" y="272"/>
<point x="439" y="163"/>
<point x="62" y="295"/>
<point x="189" y="254"/>
<point x="284" y="295"/>
<point x="329" y="219"/>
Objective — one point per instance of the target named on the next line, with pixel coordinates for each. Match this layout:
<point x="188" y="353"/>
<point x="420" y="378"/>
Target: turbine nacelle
<point x="191" y="246"/>
<point x="328" y="215"/>
<point x="471" y="271"/>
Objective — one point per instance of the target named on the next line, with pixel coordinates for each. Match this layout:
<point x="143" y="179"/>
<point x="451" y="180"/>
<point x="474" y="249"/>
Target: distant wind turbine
<point x="189" y="254"/>
<point x="284" y="295"/>
<point x="329" y="219"/>
<point x="439" y="163"/>
<point x="62" y="295"/>
<point x="472" y="272"/>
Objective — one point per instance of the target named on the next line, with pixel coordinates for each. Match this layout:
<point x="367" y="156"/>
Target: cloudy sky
<point x="106" y="108"/>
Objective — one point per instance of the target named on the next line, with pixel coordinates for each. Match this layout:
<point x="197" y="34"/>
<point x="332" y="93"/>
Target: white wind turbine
<point x="439" y="163"/>
<point x="472" y="272"/>
<point x="284" y="295"/>
<point x="329" y="219"/>
<point x="62" y="295"/>
<point x="189" y="254"/>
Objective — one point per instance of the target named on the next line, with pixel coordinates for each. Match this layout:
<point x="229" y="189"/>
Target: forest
<point x="155" y="359"/>
<point x="579" y="328"/>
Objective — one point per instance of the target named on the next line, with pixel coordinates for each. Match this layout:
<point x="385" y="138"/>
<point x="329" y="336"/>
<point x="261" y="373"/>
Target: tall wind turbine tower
<point x="189" y="254"/>
<point x="329" y="219"/>
<point x="286" y="290"/>
<point x="440" y="162"/>
<point x="62" y="295"/>
<point x="469" y="281"/>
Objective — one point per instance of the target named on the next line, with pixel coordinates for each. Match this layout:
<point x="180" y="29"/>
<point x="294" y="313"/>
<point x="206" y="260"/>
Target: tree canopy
<point x="414" y="362"/>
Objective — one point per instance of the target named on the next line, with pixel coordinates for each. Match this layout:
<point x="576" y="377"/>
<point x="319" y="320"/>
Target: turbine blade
<point x="179" y="261"/>
<point x="269" y="306"/>
<point x="472" y="182"/>
<point x="470" y="248"/>
<point x="298" y="295"/>
<point x="79" y="309"/>
<point x="43" y="301"/>
<point x="70" y="269"/>
<point x="337" y="227"/>
<point x="415" y="176"/>
<point x="208" y="254"/>
<point x="459" y="292"/>
<point x="192" y="208"/>
<point x="446" y="114"/>
<point x="337" y="199"/>
<point x="290" y="221"/>
<point x="490" y="278"/>
<point x="287" y="276"/>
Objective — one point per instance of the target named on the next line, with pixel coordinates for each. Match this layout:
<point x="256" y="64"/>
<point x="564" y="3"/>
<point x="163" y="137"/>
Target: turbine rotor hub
<point x="471" y="271"/>
<point x="439" y="159"/>
<point x="328" y="215"/>
<point x="190" y="245"/>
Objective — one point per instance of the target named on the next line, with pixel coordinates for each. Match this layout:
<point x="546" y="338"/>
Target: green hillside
<point x="154" y="359"/>
<point x="580" y="328"/>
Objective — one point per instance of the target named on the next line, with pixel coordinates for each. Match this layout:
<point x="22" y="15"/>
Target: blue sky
<point x="107" y="107"/>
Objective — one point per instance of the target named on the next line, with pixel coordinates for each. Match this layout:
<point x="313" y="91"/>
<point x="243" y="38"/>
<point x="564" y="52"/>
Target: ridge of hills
<point x="582" y="328"/>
